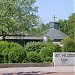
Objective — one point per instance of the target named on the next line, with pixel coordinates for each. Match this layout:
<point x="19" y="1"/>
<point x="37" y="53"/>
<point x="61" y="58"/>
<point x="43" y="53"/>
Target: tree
<point x="68" y="26"/>
<point x="69" y="45"/>
<point x="63" y="25"/>
<point x="17" y="16"/>
<point x="71" y="25"/>
<point x="41" y="29"/>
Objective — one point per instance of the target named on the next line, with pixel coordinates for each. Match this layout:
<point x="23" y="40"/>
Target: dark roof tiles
<point x="55" y="34"/>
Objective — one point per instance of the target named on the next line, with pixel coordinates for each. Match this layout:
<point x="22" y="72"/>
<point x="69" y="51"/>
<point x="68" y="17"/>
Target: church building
<point x="53" y="33"/>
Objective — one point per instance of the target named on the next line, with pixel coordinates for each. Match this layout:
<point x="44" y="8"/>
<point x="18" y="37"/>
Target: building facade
<point x="53" y="33"/>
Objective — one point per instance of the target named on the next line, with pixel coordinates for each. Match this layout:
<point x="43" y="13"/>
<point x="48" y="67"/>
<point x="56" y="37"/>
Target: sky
<point x="61" y="8"/>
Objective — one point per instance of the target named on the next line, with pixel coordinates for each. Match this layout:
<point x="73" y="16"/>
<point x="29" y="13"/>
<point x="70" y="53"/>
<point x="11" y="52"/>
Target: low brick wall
<point x="26" y="65"/>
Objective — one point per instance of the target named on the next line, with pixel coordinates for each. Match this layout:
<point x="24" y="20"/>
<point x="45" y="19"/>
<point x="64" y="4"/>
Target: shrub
<point x="43" y="49"/>
<point x="46" y="54"/>
<point x="17" y="54"/>
<point x="34" y="46"/>
<point x="69" y="45"/>
<point x="33" y="56"/>
<point x="11" y="52"/>
<point x="50" y="40"/>
<point x="57" y="48"/>
<point x="3" y="45"/>
<point x="4" y="48"/>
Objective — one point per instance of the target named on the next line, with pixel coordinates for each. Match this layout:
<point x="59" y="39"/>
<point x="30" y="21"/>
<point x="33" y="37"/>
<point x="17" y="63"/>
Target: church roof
<point x="22" y="37"/>
<point x="51" y="33"/>
<point x="55" y="34"/>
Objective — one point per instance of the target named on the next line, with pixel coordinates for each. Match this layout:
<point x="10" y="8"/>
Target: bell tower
<point x="55" y="25"/>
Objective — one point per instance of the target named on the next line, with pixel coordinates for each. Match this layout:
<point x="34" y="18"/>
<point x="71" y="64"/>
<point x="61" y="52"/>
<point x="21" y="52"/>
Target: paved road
<point x="60" y="74"/>
<point x="36" y="69"/>
<point x="58" y="70"/>
<point x="52" y="73"/>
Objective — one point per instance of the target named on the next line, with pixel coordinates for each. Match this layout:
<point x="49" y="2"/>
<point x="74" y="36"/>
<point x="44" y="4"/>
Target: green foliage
<point x="71" y="25"/>
<point x="43" y="49"/>
<point x="41" y="29"/>
<point x="50" y="40"/>
<point x="69" y="45"/>
<point x="16" y="54"/>
<point x="17" y="16"/>
<point x="68" y="26"/>
<point x="57" y="48"/>
<point x="63" y="25"/>
<point x="45" y="54"/>
<point x="34" y="46"/>
<point x="4" y="48"/>
<point x="33" y="56"/>
<point x="11" y="52"/>
<point x="3" y="45"/>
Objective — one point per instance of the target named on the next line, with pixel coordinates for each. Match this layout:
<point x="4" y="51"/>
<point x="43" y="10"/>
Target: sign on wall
<point x="64" y="58"/>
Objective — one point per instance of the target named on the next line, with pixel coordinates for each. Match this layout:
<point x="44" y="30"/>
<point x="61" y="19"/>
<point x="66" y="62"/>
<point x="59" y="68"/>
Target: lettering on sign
<point x="57" y="55"/>
<point x="65" y="55"/>
<point x="64" y="58"/>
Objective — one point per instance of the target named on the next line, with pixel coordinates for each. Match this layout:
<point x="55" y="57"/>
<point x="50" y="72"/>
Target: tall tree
<point x="71" y="25"/>
<point x="41" y="29"/>
<point x="63" y="25"/>
<point x="68" y="26"/>
<point x="17" y="16"/>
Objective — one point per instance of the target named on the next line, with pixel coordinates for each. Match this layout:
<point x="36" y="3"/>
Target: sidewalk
<point x="68" y="69"/>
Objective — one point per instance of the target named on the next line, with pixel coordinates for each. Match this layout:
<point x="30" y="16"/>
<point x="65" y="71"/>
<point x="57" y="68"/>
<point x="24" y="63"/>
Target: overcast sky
<point x="61" y="8"/>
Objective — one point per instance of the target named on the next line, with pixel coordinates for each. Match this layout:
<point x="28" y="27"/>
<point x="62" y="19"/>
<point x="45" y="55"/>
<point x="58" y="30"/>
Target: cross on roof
<point x="54" y="17"/>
